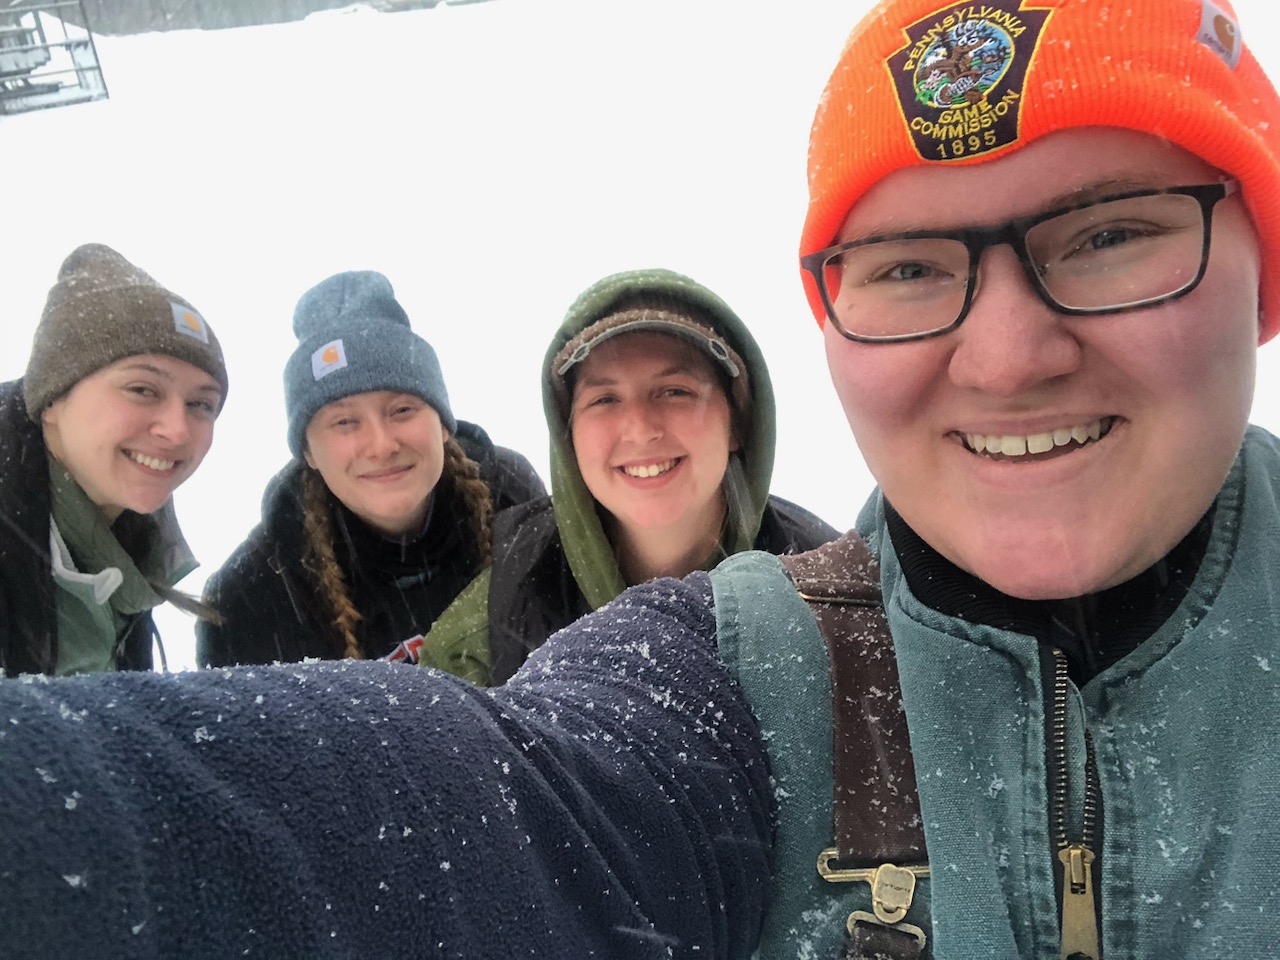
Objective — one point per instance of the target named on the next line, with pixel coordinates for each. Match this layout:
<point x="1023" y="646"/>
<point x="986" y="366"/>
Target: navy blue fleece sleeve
<point x="610" y="801"/>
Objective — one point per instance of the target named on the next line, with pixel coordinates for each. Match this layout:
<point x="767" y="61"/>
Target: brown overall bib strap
<point x="877" y="813"/>
<point x="878" y="827"/>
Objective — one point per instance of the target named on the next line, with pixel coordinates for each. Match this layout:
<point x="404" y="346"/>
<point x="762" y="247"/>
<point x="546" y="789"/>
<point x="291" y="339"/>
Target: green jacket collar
<point x="161" y="552"/>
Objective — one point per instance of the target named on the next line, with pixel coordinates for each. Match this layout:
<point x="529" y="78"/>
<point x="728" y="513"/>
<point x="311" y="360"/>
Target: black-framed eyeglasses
<point x="1122" y="252"/>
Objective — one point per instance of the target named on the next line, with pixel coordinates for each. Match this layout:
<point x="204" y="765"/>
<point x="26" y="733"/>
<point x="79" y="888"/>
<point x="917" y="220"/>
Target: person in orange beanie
<point x="1041" y="242"/>
<point x="1027" y="708"/>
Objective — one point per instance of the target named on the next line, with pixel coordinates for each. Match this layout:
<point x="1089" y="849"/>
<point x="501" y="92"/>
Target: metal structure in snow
<point x="46" y="60"/>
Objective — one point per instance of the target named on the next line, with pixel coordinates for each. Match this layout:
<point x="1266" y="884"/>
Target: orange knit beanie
<point x="919" y="82"/>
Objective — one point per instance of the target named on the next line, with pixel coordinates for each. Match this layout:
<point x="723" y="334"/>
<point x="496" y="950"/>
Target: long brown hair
<point x="131" y="531"/>
<point x="320" y="558"/>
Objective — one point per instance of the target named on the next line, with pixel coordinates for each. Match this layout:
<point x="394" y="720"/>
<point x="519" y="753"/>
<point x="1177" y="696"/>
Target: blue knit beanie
<point x="353" y="337"/>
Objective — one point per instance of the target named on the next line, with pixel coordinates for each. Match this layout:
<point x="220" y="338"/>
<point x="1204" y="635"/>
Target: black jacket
<point x="28" y="605"/>
<point x="271" y="606"/>
<point x="533" y="592"/>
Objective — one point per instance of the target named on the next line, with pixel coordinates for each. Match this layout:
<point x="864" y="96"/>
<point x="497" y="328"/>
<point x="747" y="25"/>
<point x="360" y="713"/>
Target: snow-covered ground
<point x="493" y="160"/>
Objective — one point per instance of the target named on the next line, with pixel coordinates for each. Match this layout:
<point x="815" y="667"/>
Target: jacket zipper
<point x="1079" y="913"/>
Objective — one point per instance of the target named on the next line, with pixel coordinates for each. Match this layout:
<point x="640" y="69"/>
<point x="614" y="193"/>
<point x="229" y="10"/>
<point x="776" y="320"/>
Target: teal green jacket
<point x="1185" y="729"/>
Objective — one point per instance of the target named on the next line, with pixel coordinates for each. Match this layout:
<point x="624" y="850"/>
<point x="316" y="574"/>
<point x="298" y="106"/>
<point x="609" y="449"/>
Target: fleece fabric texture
<point x="270" y="602"/>
<point x="611" y="802"/>
<point x="552" y="560"/>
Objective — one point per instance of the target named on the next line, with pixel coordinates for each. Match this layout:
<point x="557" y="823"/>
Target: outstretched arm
<point x="611" y="801"/>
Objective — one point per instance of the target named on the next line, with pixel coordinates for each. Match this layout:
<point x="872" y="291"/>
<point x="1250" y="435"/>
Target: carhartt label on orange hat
<point x="960" y="76"/>
<point x="189" y="323"/>
<point x="332" y="356"/>
<point x="1220" y="32"/>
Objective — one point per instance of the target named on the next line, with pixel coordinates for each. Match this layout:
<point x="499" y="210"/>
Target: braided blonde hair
<point x="464" y="473"/>
<point x="319" y="558"/>
<point x="321" y="561"/>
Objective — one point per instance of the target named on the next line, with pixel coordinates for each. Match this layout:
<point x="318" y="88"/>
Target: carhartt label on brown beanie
<point x="103" y="309"/>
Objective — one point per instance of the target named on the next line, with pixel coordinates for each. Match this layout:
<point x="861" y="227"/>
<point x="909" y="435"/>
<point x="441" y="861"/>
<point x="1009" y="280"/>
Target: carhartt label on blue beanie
<point x="354" y="337"/>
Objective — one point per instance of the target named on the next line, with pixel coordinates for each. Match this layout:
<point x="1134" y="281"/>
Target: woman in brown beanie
<point x="116" y="409"/>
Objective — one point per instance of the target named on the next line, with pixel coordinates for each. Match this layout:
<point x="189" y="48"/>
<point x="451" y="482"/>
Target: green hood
<point x="586" y="546"/>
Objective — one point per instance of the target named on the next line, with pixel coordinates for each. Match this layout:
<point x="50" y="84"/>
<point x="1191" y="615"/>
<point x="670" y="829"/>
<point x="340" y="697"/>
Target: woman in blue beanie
<point x="383" y="515"/>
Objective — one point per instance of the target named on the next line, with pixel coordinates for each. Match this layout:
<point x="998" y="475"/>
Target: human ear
<point x="306" y="455"/>
<point x="49" y="415"/>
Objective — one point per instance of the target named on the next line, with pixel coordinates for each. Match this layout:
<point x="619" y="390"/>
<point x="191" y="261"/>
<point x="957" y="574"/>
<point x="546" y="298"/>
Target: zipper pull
<point x="1079" y="917"/>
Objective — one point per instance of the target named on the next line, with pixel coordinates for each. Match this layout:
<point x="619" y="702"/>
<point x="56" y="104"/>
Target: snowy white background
<point x="492" y="160"/>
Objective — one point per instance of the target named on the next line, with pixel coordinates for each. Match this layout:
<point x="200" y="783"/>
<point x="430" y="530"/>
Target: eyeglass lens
<point x="1109" y="255"/>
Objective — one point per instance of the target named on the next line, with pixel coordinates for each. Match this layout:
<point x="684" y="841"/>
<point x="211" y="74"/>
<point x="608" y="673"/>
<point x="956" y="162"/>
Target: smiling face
<point x="652" y="435"/>
<point x="1144" y="411"/>
<point x="132" y="432"/>
<point x="381" y="453"/>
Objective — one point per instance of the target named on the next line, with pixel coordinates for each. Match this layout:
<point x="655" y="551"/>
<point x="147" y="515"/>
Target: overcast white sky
<point x="492" y="160"/>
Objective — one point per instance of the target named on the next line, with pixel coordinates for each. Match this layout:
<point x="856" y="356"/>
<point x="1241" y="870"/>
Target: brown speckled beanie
<point x="103" y="309"/>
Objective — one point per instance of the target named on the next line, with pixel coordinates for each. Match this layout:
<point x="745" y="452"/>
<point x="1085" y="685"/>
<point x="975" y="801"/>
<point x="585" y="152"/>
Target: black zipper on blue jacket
<point x="1077" y="859"/>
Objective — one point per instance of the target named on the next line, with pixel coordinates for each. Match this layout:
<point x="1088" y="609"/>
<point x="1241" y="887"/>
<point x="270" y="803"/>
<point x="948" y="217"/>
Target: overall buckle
<point x="892" y="890"/>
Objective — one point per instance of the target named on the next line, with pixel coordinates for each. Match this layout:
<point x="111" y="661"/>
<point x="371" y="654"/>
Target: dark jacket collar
<point x="29" y="641"/>
<point x="1094" y="631"/>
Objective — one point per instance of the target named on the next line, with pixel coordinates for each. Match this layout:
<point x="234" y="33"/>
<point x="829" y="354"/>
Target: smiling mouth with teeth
<point x="1008" y="447"/>
<point x="164" y="466"/>
<point x="651" y="469"/>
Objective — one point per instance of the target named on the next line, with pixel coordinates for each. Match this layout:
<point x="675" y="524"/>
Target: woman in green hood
<point x="661" y="420"/>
